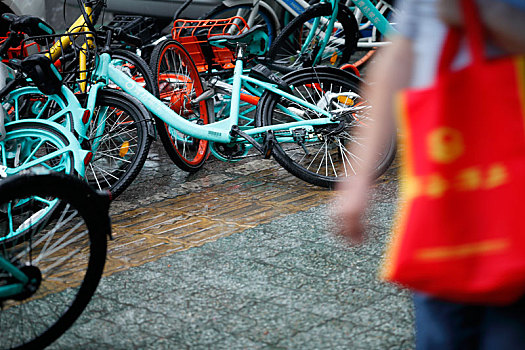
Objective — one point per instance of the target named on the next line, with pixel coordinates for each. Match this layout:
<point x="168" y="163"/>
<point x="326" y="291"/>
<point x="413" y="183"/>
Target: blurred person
<point x="411" y="62"/>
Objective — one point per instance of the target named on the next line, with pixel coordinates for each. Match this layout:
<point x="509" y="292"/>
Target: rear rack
<point x="25" y="49"/>
<point x="194" y="35"/>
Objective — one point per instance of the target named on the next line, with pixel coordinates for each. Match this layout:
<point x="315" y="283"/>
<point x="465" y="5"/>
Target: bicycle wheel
<point x="63" y="257"/>
<point x="290" y="50"/>
<point x="38" y="147"/>
<point x="179" y="85"/>
<point x="371" y="38"/>
<point x="264" y="16"/>
<point x="325" y="154"/>
<point x="135" y="67"/>
<point x="119" y="139"/>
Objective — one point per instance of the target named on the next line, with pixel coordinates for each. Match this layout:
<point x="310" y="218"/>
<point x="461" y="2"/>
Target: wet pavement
<point x="240" y="256"/>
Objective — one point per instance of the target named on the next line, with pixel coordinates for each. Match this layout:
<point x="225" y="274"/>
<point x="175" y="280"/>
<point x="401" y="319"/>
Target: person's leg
<point x="503" y="327"/>
<point x="445" y="325"/>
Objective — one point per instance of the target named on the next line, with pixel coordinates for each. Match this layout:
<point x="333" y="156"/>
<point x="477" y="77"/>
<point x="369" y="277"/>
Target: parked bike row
<point x="81" y="109"/>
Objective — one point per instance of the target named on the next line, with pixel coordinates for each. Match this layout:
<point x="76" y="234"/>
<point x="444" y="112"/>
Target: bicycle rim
<point x="179" y="84"/>
<point x="291" y="48"/>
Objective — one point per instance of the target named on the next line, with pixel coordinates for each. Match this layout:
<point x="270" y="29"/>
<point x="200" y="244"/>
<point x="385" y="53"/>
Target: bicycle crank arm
<point x="265" y="148"/>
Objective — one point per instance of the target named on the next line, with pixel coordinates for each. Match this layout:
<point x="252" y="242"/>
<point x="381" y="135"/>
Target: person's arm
<point x="503" y="23"/>
<point x="390" y="73"/>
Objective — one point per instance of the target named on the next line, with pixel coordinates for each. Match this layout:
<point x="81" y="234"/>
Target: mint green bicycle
<point x="310" y="120"/>
<point x="313" y="37"/>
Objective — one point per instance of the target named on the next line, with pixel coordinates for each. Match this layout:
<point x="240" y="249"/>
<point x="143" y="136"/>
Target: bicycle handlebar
<point x="20" y="25"/>
<point x="13" y="40"/>
<point x="31" y="25"/>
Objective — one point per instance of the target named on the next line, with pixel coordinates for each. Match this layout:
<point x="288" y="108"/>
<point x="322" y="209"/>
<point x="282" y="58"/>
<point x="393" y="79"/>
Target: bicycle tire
<point x="285" y="50"/>
<point x="264" y="17"/>
<point x="179" y="83"/>
<point x="32" y="140"/>
<point x="121" y="148"/>
<point x="64" y="270"/>
<point x="137" y="69"/>
<point x="328" y="148"/>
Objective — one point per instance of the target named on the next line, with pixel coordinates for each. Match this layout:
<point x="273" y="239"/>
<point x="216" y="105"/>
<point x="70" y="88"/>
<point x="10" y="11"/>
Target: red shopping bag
<point x="460" y="234"/>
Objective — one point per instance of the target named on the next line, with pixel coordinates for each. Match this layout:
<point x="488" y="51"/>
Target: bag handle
<point x="473" y="30"/>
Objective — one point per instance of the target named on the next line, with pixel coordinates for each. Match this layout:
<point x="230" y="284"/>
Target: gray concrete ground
<point x="282" y="283"/>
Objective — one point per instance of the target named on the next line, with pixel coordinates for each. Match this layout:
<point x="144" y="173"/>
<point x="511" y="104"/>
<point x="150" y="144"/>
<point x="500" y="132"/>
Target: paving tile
<point x="241" y="256"/>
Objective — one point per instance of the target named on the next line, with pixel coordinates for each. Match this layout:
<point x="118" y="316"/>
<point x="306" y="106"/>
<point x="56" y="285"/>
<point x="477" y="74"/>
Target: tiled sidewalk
<point x="274" y="279"/>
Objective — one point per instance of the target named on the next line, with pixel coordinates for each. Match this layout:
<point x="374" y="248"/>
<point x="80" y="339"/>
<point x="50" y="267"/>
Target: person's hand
<point x="350" y="207"/>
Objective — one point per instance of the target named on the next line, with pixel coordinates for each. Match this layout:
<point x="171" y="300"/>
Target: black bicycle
<point x="49" y="274"/>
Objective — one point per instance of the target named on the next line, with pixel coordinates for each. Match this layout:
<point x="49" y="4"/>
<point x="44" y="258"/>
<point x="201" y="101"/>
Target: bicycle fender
<point x="79" y="155"/>
<point x="150" y="123"/>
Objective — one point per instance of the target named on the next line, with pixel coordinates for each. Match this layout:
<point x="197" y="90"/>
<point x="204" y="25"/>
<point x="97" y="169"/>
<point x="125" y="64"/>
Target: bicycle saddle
<point x="255" y="39"/>
<point x="42" y="72"/>
<point x="31" y="25"/>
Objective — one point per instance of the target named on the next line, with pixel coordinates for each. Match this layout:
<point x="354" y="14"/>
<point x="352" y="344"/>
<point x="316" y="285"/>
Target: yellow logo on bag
<point x="469" y="179"/>
<point x="498" y="175"/>
<point x="436" y="186"/>
<point x="445" y="145"/>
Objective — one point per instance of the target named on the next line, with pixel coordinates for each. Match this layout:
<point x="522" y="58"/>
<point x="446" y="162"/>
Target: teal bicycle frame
<point x="378" y="20"/>
<point x="12" y="289"/>
<point x="69" y="117"/>
<point x="329" y="29"/>
<point x="365" y="6"/>
<point x="73" y="148"/>
<point x="219" y="131"/>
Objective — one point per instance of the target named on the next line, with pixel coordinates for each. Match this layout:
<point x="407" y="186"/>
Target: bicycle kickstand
<point x="265" y="148"/>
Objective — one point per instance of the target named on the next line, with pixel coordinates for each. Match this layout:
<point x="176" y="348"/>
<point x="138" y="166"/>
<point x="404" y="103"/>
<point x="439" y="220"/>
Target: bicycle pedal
<point x="269" y="142"/>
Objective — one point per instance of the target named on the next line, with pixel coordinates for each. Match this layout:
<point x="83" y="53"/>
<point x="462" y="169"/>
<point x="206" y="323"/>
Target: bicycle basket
<point x="194" y="34"/>
<point x="25" y="49"/>
<point x="73" y="55"/>
<point x="145" y="28"/>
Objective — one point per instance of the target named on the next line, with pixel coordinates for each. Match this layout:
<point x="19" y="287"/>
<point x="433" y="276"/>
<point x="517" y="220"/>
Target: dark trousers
<point x="446" y="325"/>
